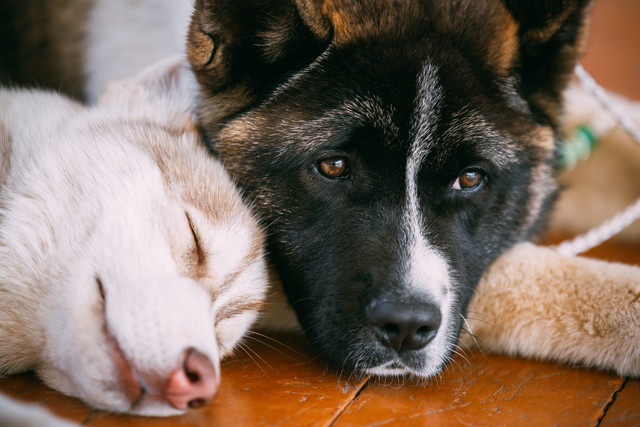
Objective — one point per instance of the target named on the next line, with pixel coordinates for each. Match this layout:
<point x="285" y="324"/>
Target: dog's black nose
<point x="404" y="325"/>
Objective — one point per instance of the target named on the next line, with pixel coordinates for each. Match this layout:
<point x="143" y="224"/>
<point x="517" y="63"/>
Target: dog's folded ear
<point x="165" y="92"/>
<point x="551" y="35"/>
<point x="239" y="48"/>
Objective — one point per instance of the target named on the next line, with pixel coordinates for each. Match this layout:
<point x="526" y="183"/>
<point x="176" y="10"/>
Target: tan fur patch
<point x="226" y="103"/>
<point x="353" y="20"/>
<point x="179" y="173"/>
<point x="506" y="50"/>
<point x="540" y="187"/>
<point x="535" y="303"/>
<point x="542" y="35"/>
<point x="542" y="182"/>
<point x="201" y="48"/>
<point x="314" y="19"/>
<point x="543" y="138"/>
<point x="237" y="307"/>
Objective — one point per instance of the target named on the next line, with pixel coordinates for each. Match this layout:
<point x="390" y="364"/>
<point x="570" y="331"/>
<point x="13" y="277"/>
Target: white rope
<point x="601" y="233"/>
<point x="622" y="220"/>
<point x="605" y="100"/>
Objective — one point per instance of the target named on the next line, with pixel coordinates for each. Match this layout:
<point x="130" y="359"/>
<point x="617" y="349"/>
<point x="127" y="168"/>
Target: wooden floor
<point x="284" y="383"/>
<point x="280" y="381"/>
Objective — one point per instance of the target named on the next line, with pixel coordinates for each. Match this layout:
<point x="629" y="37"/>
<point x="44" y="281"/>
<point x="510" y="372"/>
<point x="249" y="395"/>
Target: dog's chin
<point x="424" y="364"/>
<point x="397" y="368"/>
<point x="369" y="357"/>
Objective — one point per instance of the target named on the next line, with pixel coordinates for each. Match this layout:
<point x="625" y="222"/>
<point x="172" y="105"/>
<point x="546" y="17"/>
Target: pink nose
<point x="193" y="384"/>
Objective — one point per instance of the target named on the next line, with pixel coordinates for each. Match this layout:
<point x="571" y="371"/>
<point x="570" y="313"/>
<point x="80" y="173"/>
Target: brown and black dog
<point x="393" y="148"/>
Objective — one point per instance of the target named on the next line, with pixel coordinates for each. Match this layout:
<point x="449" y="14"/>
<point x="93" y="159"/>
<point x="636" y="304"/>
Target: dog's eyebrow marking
<point x="425" y="265"/>
<point x="488" y="141"/>
<point x="237" y="306"/>
<point x="369" y="110"/>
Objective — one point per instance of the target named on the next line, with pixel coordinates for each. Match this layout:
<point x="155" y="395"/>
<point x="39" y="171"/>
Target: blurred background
<point x="613" y="49"/>
<point x="609" y="180"/>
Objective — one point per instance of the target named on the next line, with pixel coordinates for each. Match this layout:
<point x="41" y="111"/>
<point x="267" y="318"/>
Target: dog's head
<point x="393" y="149"/>
<point x="139" y="264"/>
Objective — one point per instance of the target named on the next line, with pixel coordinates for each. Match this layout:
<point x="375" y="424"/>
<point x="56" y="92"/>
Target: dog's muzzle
<point x="409" y="334"/>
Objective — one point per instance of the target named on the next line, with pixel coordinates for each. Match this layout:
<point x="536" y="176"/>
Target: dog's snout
<point x="194" y="383"/>
<point x="404" y="326"/>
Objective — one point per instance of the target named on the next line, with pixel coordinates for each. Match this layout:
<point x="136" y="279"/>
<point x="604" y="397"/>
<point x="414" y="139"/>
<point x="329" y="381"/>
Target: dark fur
<point x="287" y="83"/>
<point x="338" y="244"/>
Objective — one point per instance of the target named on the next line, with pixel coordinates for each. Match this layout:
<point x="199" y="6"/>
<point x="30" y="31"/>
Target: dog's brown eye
<point x="468" y="180"/>
<point x="334" y="167"/>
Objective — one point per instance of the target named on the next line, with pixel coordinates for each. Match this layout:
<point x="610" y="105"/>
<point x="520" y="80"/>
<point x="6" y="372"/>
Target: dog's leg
<point x="535" y="303"/>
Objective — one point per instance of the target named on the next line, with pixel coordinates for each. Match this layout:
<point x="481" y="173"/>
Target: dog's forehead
<point x="406" y="101"/>
<point x="343" y="89"/>
<point x="421" y="91"/>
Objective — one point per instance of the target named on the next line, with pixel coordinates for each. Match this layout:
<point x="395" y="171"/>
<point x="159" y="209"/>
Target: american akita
<point x="394" y="148"/>
<point x="129" y="264"/>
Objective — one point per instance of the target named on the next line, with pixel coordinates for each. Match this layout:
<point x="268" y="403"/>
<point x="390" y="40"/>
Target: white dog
<point x="129" y="264"/>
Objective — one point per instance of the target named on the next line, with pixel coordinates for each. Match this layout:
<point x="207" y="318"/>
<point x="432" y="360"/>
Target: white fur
<point x="427" y="271"/>
<point x="101" y="194"/>
<point x="125" y="36"/>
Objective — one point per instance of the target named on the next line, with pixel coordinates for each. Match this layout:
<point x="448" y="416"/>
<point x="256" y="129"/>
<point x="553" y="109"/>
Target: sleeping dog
<point x="393" y="148"/>
<point x="129" y="264"/>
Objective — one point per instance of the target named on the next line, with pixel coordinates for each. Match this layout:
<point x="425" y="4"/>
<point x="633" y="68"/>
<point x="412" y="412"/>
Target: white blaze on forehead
<point x="426" y="269"/>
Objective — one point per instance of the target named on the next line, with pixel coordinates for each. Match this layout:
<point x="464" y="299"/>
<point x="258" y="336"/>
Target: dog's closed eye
<point x="197" y="252"/>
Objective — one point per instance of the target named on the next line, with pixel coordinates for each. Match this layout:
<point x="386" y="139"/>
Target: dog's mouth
<point x="418" y="366"/>
<point x="127" y="378"/>
<point x="190" y="384"/>
<point x="389" y="369"/>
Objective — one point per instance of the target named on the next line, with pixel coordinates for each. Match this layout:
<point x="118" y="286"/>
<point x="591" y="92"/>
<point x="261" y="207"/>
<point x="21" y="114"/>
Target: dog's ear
<point x="239" y="48"/>
<point x="551" y="35"/>
<point x="164" y="92"/>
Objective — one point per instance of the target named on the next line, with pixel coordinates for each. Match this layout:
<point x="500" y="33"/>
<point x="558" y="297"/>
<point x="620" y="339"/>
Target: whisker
<point x="486" y="322"/>
<point x="470" y="330"/>
<point x="249" y="350"/>
<point x="245" y="349"/>
<point x="258" y="339"/>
